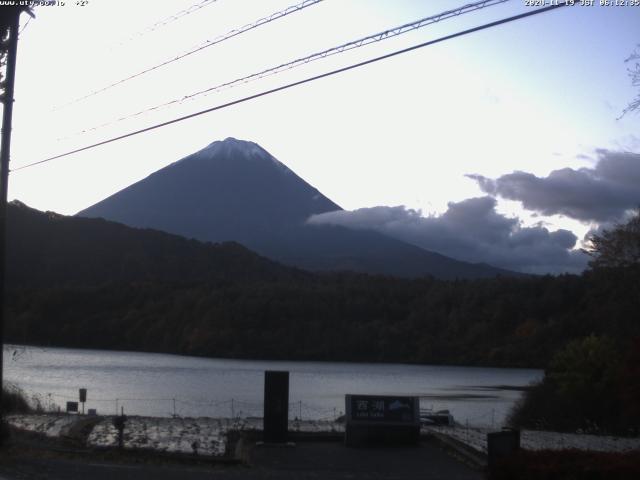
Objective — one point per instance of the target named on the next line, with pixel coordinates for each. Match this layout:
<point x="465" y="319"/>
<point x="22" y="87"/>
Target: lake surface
<point x="160" y="384"/>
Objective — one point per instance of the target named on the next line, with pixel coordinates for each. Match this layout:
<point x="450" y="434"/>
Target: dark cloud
<point x="470" y="230"/>
<point x="600" y="194"/>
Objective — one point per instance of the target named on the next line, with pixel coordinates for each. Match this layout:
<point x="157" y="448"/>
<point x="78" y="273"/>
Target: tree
<point x="634" y="74"/>
<point x="581" y="390"/>
<point x="585" y="367"/>
<point x="616" y="248"/>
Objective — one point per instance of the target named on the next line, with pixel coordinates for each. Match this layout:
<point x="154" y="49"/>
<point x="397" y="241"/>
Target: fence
<point x="180" y="407"/>
<point x="233" y="408"/>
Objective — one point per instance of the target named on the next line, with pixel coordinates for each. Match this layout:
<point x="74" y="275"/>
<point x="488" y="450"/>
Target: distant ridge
<point x="49" y="249"/>
<point x="234" y="190"/>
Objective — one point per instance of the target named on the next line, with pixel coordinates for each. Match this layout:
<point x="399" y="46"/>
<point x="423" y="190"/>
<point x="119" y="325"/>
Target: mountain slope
<point x="230" y="190"/>
<point x="235" y="190"/>
<point x="48" y="249"/>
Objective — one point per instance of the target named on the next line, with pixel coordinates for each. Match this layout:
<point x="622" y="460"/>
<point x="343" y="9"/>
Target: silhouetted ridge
<point x="50" y="249"/>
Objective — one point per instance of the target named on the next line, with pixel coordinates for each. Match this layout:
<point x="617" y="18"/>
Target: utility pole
<point x="12" y="19"/>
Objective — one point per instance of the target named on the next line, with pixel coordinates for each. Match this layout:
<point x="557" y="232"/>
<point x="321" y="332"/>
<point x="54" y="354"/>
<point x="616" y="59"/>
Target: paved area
<point x="306" y="460"/>
<point x="332" y="460"/>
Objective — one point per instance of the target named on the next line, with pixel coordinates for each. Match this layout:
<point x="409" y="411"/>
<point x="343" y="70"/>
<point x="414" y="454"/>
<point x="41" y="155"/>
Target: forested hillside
<point x="47" y="249"/>
<point x="224" y="301"/>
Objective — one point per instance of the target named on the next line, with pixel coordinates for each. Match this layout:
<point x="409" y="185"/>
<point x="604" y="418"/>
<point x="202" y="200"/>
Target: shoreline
<point x="207" y="436"/>
<point x="274" y="360"/>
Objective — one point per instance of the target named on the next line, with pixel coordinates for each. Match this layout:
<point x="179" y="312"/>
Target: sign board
<point x="392" y="420"/>
<point x="389" y="410"/>
<point x="72" y="406"/>
<point x="83" y="395"/>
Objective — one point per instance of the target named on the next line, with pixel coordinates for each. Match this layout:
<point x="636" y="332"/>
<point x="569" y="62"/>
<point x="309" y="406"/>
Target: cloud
<point x="600" y="194"/>
<point x="470" y="230"/>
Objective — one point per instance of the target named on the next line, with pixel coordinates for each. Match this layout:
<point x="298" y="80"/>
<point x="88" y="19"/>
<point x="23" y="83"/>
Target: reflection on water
<point x="160" y="384"/>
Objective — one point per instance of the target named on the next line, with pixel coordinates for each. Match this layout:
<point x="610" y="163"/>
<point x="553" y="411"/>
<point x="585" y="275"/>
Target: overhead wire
<point x="172" y="18"/>
<point x="369" y="39"/>
<point x="24" y="27"/>
<point x="301" y="82"/>
<point x="209" y="43"/>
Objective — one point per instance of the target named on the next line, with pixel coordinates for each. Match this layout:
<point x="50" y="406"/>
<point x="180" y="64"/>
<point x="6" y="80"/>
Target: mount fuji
<point x="235" y="190"/>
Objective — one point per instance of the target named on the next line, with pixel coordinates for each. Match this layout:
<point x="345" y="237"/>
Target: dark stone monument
<point x="501" y="444"/>
<point x="389" y="420"/>
<point x="276" y="406"/>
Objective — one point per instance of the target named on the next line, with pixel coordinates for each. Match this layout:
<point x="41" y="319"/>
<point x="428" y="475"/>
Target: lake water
<point x="161" y="385"/>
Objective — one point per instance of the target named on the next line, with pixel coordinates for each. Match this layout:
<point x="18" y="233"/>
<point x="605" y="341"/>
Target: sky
<point x="504" y="146"/>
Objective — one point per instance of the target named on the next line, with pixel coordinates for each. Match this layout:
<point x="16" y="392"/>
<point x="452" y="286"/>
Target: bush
<point x="14" y="400"/>
<point x="587" y="387"/>
<point x="568" y="465"/>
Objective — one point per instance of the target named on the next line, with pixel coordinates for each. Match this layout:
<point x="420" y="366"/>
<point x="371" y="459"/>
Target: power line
<point x="373" y="38"/>
<point x="209" y="43"/>
<point x="301" y="82"/>
<point x="24" y="27"/>
<point x="173" y="18"/>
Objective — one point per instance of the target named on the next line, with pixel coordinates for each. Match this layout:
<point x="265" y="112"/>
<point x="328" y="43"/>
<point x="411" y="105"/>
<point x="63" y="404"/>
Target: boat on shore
<point x="436" y="417"/>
